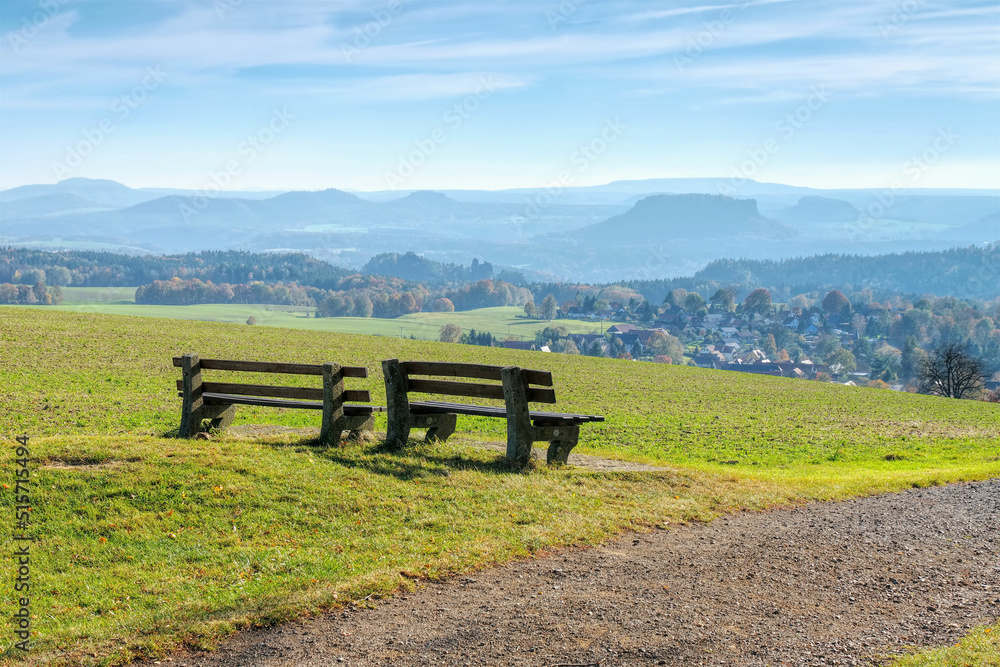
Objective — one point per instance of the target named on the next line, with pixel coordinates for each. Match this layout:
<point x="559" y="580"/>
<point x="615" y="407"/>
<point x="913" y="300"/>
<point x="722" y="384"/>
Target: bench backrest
<point x="270" y="391"/>
<point x="415" y="373"/>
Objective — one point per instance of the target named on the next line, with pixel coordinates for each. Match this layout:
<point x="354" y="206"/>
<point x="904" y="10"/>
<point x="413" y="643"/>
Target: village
<point x="829" y="340"/>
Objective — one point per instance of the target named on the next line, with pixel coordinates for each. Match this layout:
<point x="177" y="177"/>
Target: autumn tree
<point x="443" y="305"/>
<point x="952" y="372"/>
<point x="834" y="303"/>
<point x="770" y="347"/>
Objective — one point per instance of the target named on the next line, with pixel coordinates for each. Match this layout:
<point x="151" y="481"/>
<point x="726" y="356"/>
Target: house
<point x="584" y="342"/>
<point x="621" y="328"/>
<point x="637" y="341"/>
<point x="519" y="345"/>
<point x="729" y="350"/>
<point x="709" y="356"/>
<point x="775" y="368"/>
<point x="712" y="321"/>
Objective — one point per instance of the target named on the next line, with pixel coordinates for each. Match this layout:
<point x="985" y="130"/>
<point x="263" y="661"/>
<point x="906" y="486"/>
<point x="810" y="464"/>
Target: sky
<point x="436" y="94"/>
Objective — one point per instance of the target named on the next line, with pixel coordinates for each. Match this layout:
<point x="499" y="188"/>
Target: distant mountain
<point x="984" y="230"/>
<point x="946" y="210"/>
<point x="814" y="210"/>
<point x="329" y="198"/>
<point x="59" y="203"/>
<point x="638" y="228"/>
<point x="424" y="199"/>
<point x="104" y="192"/>
<point x="666" y="218"/>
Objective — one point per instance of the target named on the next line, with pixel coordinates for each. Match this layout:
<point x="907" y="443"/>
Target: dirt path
<point x="824" y="584"/>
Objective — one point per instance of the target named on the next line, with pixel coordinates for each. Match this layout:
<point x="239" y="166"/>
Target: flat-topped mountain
<point x="663" y="218"/>
<point x="814" y="210"/>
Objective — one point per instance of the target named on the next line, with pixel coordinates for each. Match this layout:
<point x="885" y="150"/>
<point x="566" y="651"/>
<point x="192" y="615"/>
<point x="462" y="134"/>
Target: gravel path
<point x="823" y="584"/>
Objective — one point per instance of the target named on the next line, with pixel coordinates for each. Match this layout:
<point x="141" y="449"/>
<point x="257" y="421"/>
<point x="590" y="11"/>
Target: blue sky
<point x="408" y="94"/>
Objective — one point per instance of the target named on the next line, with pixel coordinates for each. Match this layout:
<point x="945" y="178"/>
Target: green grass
<point x="75" y="296"/>
<point x="980" y="648"/>
<point x="503" y="323"/>
<point x="148" y="542"/>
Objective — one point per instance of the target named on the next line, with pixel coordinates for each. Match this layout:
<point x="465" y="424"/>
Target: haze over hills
<point x="638" y="229"/>
<point x="664" y="218"/>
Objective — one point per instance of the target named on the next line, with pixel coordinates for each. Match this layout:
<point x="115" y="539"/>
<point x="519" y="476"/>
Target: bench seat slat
<point x="441" y="407"/>
<point x="473" y="371"/>
<point x="273" y="367"/>
<point x="229" y="399"/>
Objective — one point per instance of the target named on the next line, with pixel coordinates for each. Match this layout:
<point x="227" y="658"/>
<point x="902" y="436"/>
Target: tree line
<point x="30" y="295"/>
<point x="89" y="268"/>
<point x="353" y="296"/>
<point x="972" y="272"/>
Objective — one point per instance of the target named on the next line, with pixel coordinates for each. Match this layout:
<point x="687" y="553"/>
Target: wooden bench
<point x="216" y="401"/>
<point x="518" y="387"/>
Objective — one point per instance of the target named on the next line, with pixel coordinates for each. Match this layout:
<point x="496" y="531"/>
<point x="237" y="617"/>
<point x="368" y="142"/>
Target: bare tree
<point x="951" y="371"/>
<point x="450" y="333"/>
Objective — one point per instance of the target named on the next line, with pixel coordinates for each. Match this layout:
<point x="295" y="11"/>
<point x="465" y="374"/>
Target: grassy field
<point x="147" y="542"/>
<point x="98" y="295"/>
<point x="503" y="323"/>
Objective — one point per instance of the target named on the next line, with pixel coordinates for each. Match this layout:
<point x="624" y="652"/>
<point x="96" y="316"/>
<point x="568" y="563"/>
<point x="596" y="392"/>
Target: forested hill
<point x="88" y="268"/>
<point x="972" y="272"/>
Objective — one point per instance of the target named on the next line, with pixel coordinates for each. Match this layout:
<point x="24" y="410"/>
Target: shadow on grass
<point x="406" y="463"/>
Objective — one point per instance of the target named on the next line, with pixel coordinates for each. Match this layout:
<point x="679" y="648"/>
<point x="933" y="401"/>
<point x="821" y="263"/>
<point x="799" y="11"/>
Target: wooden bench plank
<point x="449" y="388"/>
<point x="543" y="418"/>
<point x="273" y="367"/>
<point x="308" y="393"/>
<point x="227" y="399"/>
<point x="440" y="407"/>
<point x="474" y="371"/>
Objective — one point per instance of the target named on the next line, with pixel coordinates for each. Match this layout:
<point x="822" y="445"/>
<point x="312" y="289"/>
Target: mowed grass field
<point x="504" y="323"/>
<point x="147" y="542"/>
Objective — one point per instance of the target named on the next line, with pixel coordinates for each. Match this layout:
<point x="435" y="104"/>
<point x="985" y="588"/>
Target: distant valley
<point x="627" y="229"/>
